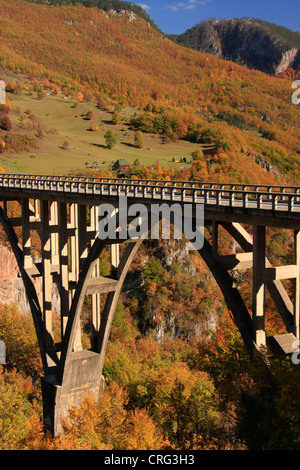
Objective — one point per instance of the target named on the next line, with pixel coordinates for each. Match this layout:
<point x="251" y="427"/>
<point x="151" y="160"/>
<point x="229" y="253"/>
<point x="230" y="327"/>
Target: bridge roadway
<point x="63" y="210"/>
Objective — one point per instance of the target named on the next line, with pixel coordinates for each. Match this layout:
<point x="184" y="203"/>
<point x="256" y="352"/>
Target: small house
<point x="121" y="165"/>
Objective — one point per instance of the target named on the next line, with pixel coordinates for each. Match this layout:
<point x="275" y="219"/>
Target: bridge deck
<point x="273" y="201"/>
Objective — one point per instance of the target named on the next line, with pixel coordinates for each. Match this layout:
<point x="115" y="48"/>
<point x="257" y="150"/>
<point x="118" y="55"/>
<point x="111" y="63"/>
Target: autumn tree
<point x="141" y="432"/>
<point x="18" y="332"/>
<point x="15" y="409"/>
<point x="6" y="124"/>
<point x="118" y="108"/>
<point x="197" y="154"/>
<point x="187" y="406"/>
<point x="89" y="115"/>
<point x="136" y="164"/>
<point x="116" y="119"/>
<point x="138" y="139"/>
<point x="2" y="146"/>
<point x="97" y="426"/>
<point x="4" y="110"/>
<point x="110" y="139"/>
<point x="79" y="96"/>
<point x="153" y="272"/>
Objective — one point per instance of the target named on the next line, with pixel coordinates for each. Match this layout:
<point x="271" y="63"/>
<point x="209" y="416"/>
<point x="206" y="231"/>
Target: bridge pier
<point x="64" y="213"/>
<point x="82" y="375"/>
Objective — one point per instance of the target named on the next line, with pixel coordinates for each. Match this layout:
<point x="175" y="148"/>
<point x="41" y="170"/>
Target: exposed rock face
<point x="288" y="60"/>
<point x="244" y="41"/>
<point x="12" y="287"/>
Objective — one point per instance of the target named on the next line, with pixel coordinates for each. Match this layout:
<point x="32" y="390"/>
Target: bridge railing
<point x="266" y="197"/>
<point x="139" y="182"/>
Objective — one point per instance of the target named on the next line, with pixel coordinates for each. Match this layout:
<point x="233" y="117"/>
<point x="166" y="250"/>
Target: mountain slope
<point x="126" y="59"/>
<point x="112" y="57"/>
<point x="255" y="43"/>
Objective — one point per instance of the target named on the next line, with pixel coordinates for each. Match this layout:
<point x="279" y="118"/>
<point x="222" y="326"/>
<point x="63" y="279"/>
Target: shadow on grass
<point x="128" y="144"/>
<point x="100" y="146"/>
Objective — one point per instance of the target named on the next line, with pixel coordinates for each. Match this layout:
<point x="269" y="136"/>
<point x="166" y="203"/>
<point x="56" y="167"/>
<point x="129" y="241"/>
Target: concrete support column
<point x="74" y="263"/>
<point x="54" y="233"/>
<point x="82" y="234"/>
<point x="26" y="234"/>
<point x="46" y="260"/>
<point x="259" y="253"/>
<point x="63" y="265"/>
<point x="96" y="298"/>
<point x="37" y="209"/>
<point x="74" y="256"/>
<point x="96" y="306"/>
<point x="114" y="256"/>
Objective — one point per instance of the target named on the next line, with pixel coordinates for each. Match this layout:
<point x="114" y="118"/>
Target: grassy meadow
<point x="65" y="142"/>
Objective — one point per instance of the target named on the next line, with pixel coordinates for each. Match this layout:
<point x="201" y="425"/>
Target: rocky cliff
<point x="254" y="43"/>
<point x="12" y="287"/>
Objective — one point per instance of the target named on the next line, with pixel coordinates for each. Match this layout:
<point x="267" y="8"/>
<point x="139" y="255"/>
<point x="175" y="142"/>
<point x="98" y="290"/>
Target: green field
<point x="67" y="145"/>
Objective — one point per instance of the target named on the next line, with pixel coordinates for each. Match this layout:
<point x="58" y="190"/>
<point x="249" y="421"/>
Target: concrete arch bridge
<point x="64" y="212"/>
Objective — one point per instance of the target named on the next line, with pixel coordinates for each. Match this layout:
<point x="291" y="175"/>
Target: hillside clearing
<point x="67" y="143"/>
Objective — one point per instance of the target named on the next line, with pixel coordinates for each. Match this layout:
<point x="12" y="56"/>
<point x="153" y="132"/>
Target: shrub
<point x="5" y="124"/>
<point x="2" y="146"/>
<point x="40" y="94"/>
<point x="268" y="134"/>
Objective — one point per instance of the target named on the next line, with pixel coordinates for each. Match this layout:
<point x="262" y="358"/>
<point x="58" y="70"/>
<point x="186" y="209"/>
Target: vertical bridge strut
<point x="64" y="228"/>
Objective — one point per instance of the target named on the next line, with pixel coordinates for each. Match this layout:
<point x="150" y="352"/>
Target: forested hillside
<point x="176" y="374"/>
<point x="181" y="94"/>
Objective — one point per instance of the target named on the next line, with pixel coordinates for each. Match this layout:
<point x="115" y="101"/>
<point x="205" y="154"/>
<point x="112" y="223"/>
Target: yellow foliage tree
<point x="140" y="432"/>
<point x="22" y="348"/>
<point x="15" y="409"/>
<point x="79" y="96"/>
<point x="2" y="149"/>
